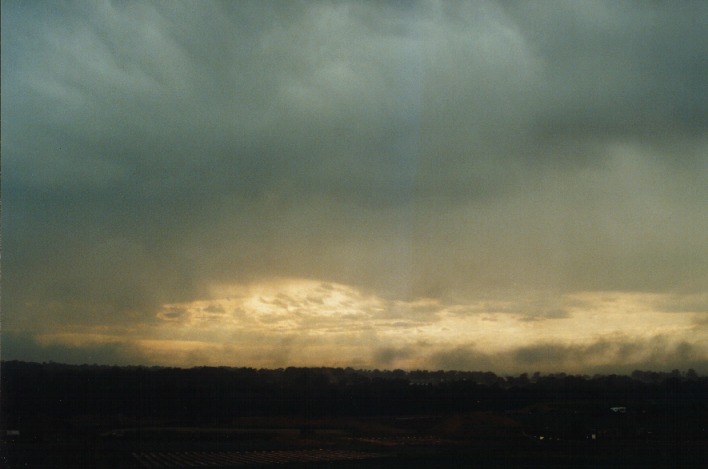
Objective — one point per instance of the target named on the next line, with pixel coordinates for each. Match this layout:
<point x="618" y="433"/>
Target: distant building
<point x="11" y="435"/>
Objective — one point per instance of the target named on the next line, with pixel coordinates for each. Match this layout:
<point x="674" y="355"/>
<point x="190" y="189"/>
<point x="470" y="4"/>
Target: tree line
<point x="31" y="392"/>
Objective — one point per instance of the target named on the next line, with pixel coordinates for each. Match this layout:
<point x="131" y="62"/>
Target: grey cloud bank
<point x="425" y="150"/>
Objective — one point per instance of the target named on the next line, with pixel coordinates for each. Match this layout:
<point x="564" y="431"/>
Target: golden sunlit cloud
<point x="309" y="323"/>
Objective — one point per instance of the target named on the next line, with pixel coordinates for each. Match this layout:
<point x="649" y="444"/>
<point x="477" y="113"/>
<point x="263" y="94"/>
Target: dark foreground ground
<point x="483" y="439"/>
<point x="61" y="416"/>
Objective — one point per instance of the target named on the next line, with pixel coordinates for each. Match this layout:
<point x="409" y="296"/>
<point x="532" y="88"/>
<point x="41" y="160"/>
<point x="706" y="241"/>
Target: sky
<point x="487" y="185"/>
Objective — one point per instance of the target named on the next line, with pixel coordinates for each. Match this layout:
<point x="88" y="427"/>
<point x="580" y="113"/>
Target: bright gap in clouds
<point x="304" y="322"/>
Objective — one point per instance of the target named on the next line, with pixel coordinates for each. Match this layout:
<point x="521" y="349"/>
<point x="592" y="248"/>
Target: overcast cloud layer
<point x="429" y="162"/>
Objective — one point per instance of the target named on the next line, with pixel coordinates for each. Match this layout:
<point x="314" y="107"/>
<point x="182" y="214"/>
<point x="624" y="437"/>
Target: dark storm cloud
<point x="433" y="149"/>
<point x="636" y="68"/>
<point x="462" y="358"/>
<point x="616" y="354"/>
<point x="387" y="356"/>
<point x="653" y="352"/>
<point x="22" y="346"/>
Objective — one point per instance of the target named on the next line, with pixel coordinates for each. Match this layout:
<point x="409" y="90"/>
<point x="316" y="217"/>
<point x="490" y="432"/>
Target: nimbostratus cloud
<point x="433" y="150"/>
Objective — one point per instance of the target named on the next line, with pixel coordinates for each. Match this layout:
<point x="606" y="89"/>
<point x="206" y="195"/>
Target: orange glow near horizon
<point x="303" y="322"/>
